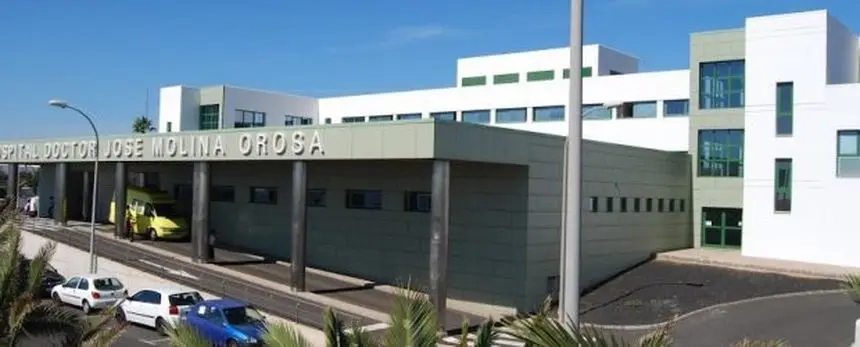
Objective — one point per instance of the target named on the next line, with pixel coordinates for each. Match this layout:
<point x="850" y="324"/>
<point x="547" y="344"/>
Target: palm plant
<point x="23" y="316"/>
<point x="142" y="125"/>
<point x="851" y="284"/>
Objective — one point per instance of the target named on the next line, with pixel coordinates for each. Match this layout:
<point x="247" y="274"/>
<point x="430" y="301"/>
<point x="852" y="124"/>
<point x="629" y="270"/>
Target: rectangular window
<point x="622" y="204"/>
<point x="222" y="193"/>
<point x="548" y="114"/>
<point x="546" y="75"/>
<point x="595" y="111"/>
<point x="328" y="120"/>
<point x="316" y="197"/>
<point x="641" y="109"/>
<point x="721" y="84"/>
<point x="636" y="204"/>
<point x="169" y="126"/>
<point x="649" y="205"/>
<point x="506" y="78"/>
<point x="417" y="202"/>
<point x="784" y="108"/>
<point x="660" y="205"/>
<point x="511" y="115"/>
<point x="476" y="116"/>
<point x="362" y="199"/>
<point x="782" y="186"/>
<point x="671" y="205"/>
<point x="408" y="116"/>
<point x="381" y="118"/>
<point x="613" y="73"/>
<point x="444" y="116"/>
<point x="609" y="202"/>
<point x="352" y="120"/>
<point x="210" y="117"/>
<point x="721" y="153"/>
<point x="848" y="153"/>
<point x="290" y="120"/>
<point x="586" y="72"/>
<point x="473" y="81"/>
<point x="593" y="204"/>
<point x="676" y="108"/>
<point x="681" y="205"/>
<point x="263" y="195"/>
<point x="249" y="119"/>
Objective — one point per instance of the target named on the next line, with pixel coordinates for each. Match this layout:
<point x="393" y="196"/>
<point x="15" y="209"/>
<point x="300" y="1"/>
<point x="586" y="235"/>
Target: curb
<point x="753" y="268"/>
<point x="704" y="309"/>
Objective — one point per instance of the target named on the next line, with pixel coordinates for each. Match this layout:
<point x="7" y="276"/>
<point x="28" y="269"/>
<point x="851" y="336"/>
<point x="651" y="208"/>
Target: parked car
<point x="159" y="308"/>
<point x="90" y="292"/>
<point x="227" y="322"/>
<point x="50" y="277"/>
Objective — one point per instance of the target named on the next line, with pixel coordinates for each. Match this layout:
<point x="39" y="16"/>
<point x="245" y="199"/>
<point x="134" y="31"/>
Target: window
<point x="660" y="205"/>
<point x="642" y="109"/>
<point x="506" y="78"/>
<point x="417" y="202"/>
<point x="637" y="204"/>
<point x="649" y="205"/>
<point x="407" y="116"/>
<point x="613" y="73"/>
<point x="848" y="153"/>
<point x="445" y="116"/>
<point x="381" y="118"/>
<point x="169" y="126"/>
<point x="546" y="75"/>
<point x="222" y="194"/>
<point x="676" y="108"/>
<point x="84" y="284"/>
<point x="364" y="199"/>
<point x="609" y="202"/>
<point x="595" y="111"/>
<point x="671" y="205"/>
<point x="352" y="120"/>
<point x="476" y="116"/>
<point x="210" y="117"/>
<point x="108" y="283"/>
<point x="721" y="153"/>
<point x="316" y="197"/>
<point x="264" y="195"/>
<point x="586" y="72"/>
<point x="473" y="81"/>
<point x="593" y="204"/>
<point x="785" y="108"/>
<point x="250" y="119"/>
<point x="296" y="120"/>
<point x="511" y="115"/>
<point x="548" y="114"/>
<point x="681" y="207"/>
<point x="721" y="84"/>
<point x="328" y="120"/>
<point x="622" y="204"/>
<point x="782" y="186"/>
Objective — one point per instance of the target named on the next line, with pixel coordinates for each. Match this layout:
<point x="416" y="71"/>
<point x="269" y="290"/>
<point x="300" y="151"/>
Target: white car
<point x="158" y="308"/>
<point x="90" y="292"/>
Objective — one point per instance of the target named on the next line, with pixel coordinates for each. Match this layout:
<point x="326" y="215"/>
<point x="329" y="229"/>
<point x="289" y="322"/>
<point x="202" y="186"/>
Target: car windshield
<point x="242" y="315"/>
<point x="107" y="283"/>
<point x="165" y="210"/>
<point x="185" y="299"/>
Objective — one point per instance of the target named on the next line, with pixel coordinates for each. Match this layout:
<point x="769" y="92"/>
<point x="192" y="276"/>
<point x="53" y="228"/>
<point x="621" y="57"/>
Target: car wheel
<point x="120" y="315"/>
<point x="161" y="326"/>
<point x="85" y="306"/>
<point x="231" y="343"/>
<point x="153" y="235"/>
<point x="56" y="298"/>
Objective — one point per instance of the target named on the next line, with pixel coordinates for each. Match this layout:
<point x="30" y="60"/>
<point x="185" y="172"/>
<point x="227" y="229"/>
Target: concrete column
<point x="12" y="184"/>
<point x="120" y="187"/>
<point x="85" y="197"/>
<point x="299" y="224"/>
<point x="60" y="194"/>
<point x="200" y="246"/>
<point x="439" y="213"/>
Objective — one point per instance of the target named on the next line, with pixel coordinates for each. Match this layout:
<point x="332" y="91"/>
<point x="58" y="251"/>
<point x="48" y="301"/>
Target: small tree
<point x="142" y="125"/>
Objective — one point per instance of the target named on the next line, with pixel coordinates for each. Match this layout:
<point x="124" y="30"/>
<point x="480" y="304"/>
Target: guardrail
<point x="266" y="299"/>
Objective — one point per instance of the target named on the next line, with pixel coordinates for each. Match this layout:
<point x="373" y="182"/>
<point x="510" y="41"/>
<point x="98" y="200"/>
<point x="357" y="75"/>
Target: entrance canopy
<point x="424" y="139"/>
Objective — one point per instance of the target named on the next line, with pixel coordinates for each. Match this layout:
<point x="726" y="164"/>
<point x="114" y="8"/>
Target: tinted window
<point x="107" y="284"/>
<point x="84" y="285"/>
<point x="185" y="299"/>
<point x="72" y="283"/>
<point x="242" y="315"/>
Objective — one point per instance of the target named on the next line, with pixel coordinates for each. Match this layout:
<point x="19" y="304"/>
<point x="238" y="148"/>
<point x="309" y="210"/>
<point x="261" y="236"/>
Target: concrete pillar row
<point x="12" y="184"/>
<point x="439" y="221"/>
<point x="299" y="229"/>
<point x="120" y="199"/>
<point x="59" y="202"/>
<point x="201" y="245"/>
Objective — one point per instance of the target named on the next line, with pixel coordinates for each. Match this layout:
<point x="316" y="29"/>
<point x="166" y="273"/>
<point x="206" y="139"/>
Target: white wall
<point x="275" y="105"/>
<point x="179" y="106"/>
<point x="819" y="227"/>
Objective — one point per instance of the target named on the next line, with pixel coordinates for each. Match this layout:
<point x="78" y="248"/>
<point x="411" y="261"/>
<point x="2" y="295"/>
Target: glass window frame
<point x="483" y="114"/>
<point x="784" y="108"/>
<point x="722" y="84"/>
<point x="551" y="111"/>
<point x="676" y="108"/>
<point x="723" y="157"/>
<point x="782" y="186"/>
<point x="521" y="118"/>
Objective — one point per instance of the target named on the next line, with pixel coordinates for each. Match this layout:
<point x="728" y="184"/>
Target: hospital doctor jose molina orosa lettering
<point x="210" y="146"/>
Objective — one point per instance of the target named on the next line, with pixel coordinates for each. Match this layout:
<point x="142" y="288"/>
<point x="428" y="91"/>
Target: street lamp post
<point x="93" y="258"/>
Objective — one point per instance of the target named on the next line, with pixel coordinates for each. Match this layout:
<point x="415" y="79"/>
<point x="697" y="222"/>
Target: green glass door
<point x="722" y="227"/>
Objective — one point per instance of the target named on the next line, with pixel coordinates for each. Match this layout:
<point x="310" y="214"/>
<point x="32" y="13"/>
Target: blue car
<point x="227" y="322"/>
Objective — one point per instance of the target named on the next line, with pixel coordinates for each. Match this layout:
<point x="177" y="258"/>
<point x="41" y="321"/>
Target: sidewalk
<point x="732" y="258"/>
<point x="69" y="261"/>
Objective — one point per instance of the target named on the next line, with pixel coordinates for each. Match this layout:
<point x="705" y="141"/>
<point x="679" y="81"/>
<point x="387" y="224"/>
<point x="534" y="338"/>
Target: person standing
<point x="129" y="224"/>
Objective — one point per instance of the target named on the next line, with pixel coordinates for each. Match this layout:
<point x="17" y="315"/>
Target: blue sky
<point x="104" y="55"/>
